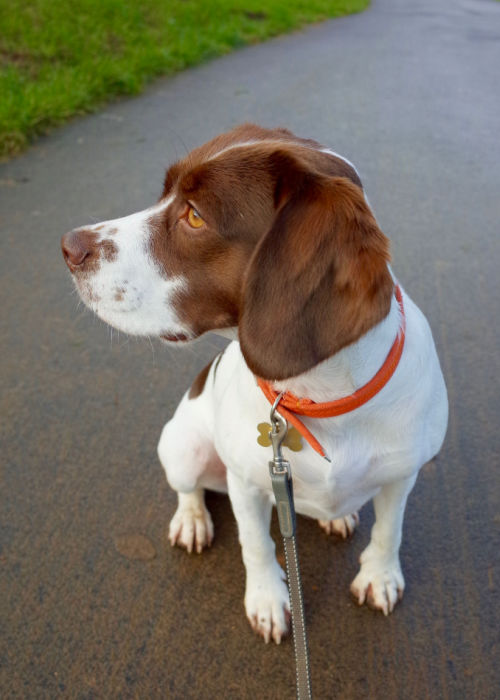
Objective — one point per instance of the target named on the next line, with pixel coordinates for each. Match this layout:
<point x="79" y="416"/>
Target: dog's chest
<point x="322" y="489"/>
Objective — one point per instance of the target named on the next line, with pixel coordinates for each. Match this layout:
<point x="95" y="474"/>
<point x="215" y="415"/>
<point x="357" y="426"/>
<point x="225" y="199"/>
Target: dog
<point x="268" y="239"/>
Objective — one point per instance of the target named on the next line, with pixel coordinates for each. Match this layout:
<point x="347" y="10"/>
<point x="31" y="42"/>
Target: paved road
<point x="93" y="602"/>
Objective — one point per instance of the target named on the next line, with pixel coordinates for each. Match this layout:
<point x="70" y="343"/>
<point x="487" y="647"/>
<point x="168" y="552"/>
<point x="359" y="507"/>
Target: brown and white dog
<point x="269" y="238"/>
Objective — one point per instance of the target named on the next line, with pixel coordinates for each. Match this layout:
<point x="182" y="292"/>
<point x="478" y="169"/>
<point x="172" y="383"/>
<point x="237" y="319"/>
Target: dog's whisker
<point x="152" y="348"/>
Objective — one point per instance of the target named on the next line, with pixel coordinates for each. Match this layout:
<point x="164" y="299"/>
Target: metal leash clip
<point x="279" y="469"/>
<point x="281" y="478"/>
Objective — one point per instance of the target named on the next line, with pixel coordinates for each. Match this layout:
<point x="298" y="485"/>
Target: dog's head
<point x="256" y="229"/>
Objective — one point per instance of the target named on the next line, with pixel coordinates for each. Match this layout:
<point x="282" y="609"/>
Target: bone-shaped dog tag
<point x="293" y="439"/>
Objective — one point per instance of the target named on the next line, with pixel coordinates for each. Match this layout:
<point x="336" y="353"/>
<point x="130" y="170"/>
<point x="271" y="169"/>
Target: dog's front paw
<point x="267" y="604"/>
<point x="379" y="583"/>
<point x="191" y="528"/>
<point x="343" y="527"/>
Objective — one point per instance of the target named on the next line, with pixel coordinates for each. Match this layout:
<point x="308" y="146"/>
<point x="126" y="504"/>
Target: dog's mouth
<point x="175" y="337"/>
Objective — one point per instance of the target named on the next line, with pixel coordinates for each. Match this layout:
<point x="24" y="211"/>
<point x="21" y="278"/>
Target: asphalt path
<point x="93" y="602"/>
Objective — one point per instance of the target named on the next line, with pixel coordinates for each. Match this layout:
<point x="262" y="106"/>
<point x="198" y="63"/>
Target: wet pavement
<point x="93" y="602"/>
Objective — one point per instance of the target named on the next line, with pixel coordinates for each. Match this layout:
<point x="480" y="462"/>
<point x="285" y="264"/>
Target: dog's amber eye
<point x="194" y="219"/>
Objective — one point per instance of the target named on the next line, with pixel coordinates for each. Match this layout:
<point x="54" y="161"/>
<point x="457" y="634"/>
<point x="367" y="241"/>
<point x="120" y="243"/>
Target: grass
<point x="59" y="58"/>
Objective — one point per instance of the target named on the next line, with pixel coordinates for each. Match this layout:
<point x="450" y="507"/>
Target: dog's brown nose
<point x="77" y="246"/>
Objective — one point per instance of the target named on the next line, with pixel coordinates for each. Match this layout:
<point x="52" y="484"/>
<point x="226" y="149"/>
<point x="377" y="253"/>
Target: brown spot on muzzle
<point x="109" y="250"/>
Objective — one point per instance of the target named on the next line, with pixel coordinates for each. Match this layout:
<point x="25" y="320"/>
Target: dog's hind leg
<point x="343" y="527"/>
<point x="191" y="464"/>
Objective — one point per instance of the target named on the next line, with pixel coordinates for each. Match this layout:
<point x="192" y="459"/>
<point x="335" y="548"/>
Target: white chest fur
<point x="376" y="443"/>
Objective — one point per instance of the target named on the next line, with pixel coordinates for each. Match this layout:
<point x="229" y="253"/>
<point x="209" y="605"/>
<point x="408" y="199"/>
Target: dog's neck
<point x="349" y="369"/>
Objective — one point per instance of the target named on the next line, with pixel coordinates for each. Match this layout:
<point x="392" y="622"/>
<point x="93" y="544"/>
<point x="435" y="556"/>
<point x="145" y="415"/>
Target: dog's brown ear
<point x="318" y="280"/>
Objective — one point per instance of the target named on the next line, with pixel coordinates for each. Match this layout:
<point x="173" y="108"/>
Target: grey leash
<point x="281" y="478"/>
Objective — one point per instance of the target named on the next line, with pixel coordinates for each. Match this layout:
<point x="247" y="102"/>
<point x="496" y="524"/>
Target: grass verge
<point x="59" y="58"/>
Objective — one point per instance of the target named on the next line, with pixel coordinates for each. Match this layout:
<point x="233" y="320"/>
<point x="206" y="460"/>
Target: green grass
<point x="59" y="58"/>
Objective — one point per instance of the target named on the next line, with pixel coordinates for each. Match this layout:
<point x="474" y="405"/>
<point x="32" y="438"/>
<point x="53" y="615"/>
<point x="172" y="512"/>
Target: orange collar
<point x="289" y="405"/>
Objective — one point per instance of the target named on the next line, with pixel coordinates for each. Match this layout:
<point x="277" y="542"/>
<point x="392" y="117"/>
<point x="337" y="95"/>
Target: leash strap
<point x="281" y="479"/>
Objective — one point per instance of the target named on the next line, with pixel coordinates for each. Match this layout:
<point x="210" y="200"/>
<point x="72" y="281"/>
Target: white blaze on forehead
<point x="242" y="144"/>
<point x="131" y="291"/>
<point x="280" y="143"/>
